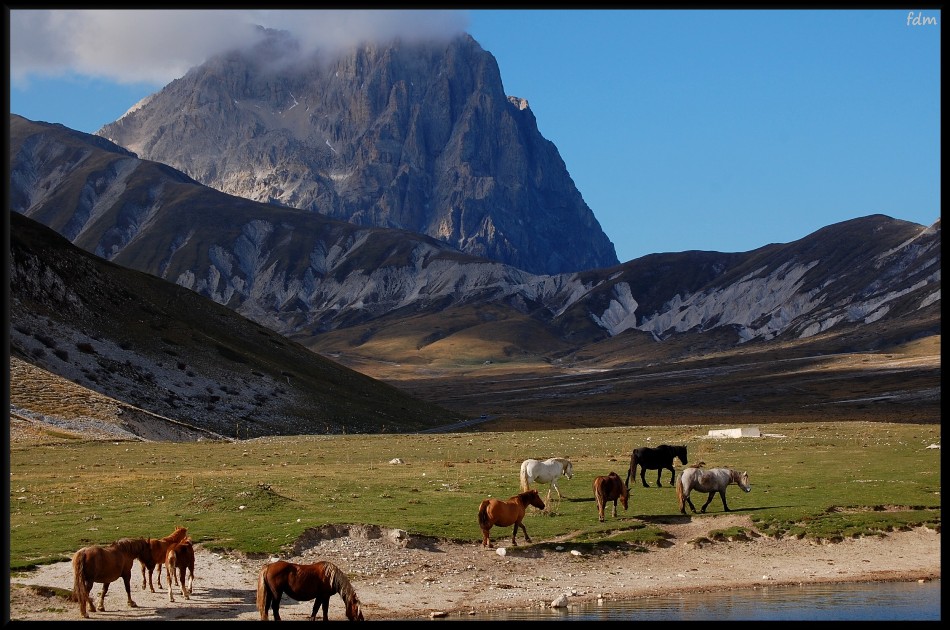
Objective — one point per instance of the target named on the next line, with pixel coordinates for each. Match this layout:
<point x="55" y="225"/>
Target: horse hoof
<point x="133" y="605"/>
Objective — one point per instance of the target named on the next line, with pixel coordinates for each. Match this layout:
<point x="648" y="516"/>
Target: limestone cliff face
<point x="413" y="136"/>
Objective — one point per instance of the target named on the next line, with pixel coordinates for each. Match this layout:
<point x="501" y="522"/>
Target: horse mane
<point x="135" y="546"/>
<point x="340" y="583"/>
<point x="563" y="461"/>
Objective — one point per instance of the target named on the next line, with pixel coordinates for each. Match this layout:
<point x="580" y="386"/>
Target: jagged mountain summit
<point x="415" y="136"/>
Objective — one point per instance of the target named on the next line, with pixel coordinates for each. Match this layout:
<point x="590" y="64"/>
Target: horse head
<point x="568" y="469"/>
<point x="534" y="499"/>
<point x="353" y="610"/>
<point x="742" y="479"/>
<point x="680" y="452"/>
<point x="624" y="493"/>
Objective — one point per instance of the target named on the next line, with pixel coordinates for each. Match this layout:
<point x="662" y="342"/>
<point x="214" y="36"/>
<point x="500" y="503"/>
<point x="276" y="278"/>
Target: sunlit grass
<point x="815" y="480"/>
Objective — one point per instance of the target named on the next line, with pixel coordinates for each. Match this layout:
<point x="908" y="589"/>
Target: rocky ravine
<point x="399" y="577"/>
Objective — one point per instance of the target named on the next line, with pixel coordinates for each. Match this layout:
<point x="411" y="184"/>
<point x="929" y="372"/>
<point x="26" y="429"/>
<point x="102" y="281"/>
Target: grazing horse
<point x="546" y="471"/>
<point x="504" y="513"/>
<point x="105" y="565"/>
<point x="159" y="547"/>
<point x="712" y="481"/>
<point x="303" y="582"/>
<point x="610" y="488"/>
<point x="659" y="459"/>
<point x="181" y="557"/>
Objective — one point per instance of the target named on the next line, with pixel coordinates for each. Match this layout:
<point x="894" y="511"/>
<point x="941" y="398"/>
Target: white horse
<point x="547" y="471"/>
<point x="712" y="481"/>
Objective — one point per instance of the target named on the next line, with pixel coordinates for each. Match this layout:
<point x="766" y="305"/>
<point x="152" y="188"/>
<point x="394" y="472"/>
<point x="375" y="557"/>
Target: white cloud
<point x="157" y="46"/>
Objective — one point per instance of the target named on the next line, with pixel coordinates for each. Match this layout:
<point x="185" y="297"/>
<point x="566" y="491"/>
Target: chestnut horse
<point x="303" y="582"/>
<point x="159" y="547"/>
<point x="504" y="513"/>
<point x="106" y="565"/>
<point x="180" y="556"/>
<point x="610" y="488"/>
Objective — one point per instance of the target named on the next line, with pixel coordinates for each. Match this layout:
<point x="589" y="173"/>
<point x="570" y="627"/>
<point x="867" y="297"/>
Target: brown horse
<point x="106" y="565"/>
<point x="159" y="547"/>
<point x="303" y="582"/>
<point x="181" y="556"/>
<point x="504" y="513"/>
<point x="610" y="488"/>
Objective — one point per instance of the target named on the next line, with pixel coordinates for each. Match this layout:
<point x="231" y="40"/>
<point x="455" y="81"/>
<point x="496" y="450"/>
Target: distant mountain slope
<point x="170" y="352"/>
<point x="304" y="275"/>
<point x="416" y="136"/>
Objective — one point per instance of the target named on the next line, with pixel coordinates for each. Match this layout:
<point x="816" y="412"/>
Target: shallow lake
<point x="867" y="601"/>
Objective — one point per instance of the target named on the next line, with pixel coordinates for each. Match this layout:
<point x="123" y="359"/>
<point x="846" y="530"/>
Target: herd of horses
<point x="104" y="564"/>
<point x="319" y="581"/>
<point x="608" y="488"/>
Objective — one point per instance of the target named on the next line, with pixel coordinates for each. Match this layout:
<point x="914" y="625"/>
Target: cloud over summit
<point x="158" y="46"/>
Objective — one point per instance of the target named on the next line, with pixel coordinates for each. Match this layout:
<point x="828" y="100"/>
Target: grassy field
<point x="820" y="480"/>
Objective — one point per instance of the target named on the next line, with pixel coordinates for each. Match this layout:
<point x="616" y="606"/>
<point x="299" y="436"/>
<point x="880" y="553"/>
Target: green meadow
<point x="812" y="480"/>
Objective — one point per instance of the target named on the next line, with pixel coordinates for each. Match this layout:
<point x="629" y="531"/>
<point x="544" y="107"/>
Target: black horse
<point x="657" y="459"/>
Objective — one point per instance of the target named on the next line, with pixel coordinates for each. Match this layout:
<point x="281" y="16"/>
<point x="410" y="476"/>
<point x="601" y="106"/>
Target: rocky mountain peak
<point x="415" y="136"/>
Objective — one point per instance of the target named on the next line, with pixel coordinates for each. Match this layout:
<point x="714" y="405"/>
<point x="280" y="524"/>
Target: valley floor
<point x="399" y="579"/>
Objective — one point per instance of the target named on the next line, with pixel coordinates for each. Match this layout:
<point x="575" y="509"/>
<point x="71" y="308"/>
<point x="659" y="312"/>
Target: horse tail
<point x="525" y="482"/>
<point x="632" y="471"/>
<point x="79" y="580"/>
<point x="262" y="591"/>
<point x="681" y="497"/>
<point x="483" y="521"/>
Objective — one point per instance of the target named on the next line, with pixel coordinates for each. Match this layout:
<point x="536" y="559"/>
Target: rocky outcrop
<point x="418" y="137"/>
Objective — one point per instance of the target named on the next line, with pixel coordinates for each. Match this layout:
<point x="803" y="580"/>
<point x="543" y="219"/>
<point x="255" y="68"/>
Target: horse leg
<point x="127" y="579"/>
<point x="524" y="529"/>
<point x="181" y="581"/>
<point x="275" y="603"/>
<point x="643" y="477"/>
<point x="690" y="502"/>
<point x="326" y="606"/>
<point x="672" y="475"/>
<point x="316" y="607"/>
<point x="615" y="508"/>
<point x="102" y="597"/>
<point x="600" y="510"/>
<point x="90" y="599"/>
<point x="725" y="508"/>
<point x="708" y="501"/>
<point x="659" y="473"/>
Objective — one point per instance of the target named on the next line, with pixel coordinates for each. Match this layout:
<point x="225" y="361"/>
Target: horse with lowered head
<point x="303" y="582"/>
<point x="714" y="480"/>
<point x="610" y="488"/>
<point x="504" y="513"/>
<point x="657" y="458"/>
<point x="105" y="564"/>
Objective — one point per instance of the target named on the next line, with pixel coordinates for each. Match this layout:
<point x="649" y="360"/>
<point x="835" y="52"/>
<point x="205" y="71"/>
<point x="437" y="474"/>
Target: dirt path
<point x="399" y="577"/>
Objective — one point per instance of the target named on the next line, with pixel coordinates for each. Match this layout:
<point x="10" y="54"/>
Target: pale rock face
<point x="411" y="136"/>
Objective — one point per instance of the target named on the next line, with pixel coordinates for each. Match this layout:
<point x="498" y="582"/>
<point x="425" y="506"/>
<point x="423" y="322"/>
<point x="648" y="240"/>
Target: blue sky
<point x="721" y="130"/>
